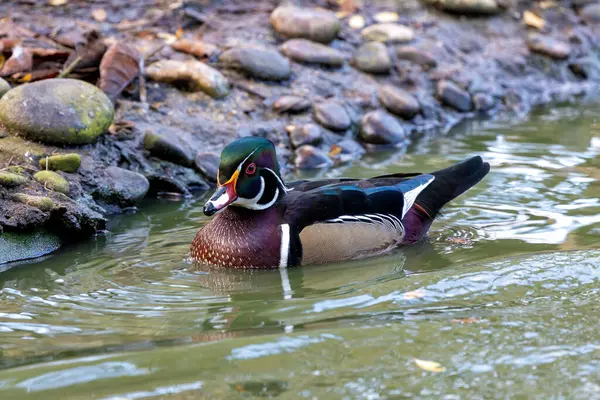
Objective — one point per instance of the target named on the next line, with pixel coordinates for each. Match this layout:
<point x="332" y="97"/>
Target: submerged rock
<point x="452" y="95"/>
<point x="307" y="134"/>
<point x="208" y="165"/>
<point x="195" y="74"/>
<point x="57" y="111"/>
<point x="8" y="179"/>
<point x="388" y="32"/>
<point x="62" y="162"/>
<point x="297" y="22"/>
<point x="303" y="50"/>
<point x="372" y="57"/>
<point x="332" y="115"/>
<point x="53" y="181"/>
<point x="380" y="128"/>
<point x="469" y="6"/>
<point x="483" y="101"/>
<point x="26" y="246"/>
<point x="257" y="62"/>
<point x="4" y="87"/>
<point x="398" y="101"/>
<point x="310" y="157"/>
<point x="548" y="46"/>
<point x="291" y="104"/>
<point x="166" y="148"/>
<point x="346" y="150"/>
<point x="416" y="55"/>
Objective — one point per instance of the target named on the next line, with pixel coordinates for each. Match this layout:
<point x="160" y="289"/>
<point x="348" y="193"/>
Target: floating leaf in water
<point x="532" y="20"/>
<point x="356" y="22"/>
<point x="469" y="320"/>
<point x="99" y="14"/>
<point x="119" y="66"/>
<point x="386" y="16"/>
<point x="414" y="294"/>
<point x="430" y="366"/>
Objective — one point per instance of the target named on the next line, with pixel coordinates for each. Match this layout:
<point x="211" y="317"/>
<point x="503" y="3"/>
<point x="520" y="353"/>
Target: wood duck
<point x="262" y="222"/>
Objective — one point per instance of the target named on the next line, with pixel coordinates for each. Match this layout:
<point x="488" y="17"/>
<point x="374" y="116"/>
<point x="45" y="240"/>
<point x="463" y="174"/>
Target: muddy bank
<point x="326" y="82"/>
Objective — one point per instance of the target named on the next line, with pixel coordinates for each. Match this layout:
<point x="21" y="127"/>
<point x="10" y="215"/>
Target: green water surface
<point x="505" y="294"/>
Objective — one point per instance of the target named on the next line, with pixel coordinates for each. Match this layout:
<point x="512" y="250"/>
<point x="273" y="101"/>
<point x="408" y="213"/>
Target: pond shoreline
<point x="321" y="112"/>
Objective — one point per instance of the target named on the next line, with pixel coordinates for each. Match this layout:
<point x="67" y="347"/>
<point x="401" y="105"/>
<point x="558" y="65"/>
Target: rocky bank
<point x="170" y="83"/>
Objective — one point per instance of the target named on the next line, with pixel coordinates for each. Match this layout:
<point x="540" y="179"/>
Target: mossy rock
<point x="57" y="111"/>
<point x="62" y="162"/>
<point x="53" y="181"/>
<point x="40" y="202"/>
<point x="9" y="179"/>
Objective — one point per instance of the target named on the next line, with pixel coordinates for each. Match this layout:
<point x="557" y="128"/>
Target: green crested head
<point x="248" y="176"/>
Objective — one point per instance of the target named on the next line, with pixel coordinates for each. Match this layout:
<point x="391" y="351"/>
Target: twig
<point x="70" y="68"/>
<point x="142" y="82"/>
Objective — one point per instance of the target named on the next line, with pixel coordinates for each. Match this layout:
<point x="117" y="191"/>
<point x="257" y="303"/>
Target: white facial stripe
<point x="285" y="245"/>
<point x="278" y="179"/>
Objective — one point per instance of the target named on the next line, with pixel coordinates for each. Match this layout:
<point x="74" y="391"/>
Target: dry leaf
<point x="430" y="366"/>
<point x="57" y="2"/>
<point x="21" y="60"/>
<point x="195" y="47"/>
<point x="334" y="150"/>
<point x="119" y="66"/>
<point x="469" y="320"/>
<point x="169" y="38"/>
<point x="179" y="33"/>
<point x="2" y="59"/>
<point x="460" y="240"/>
<point x="99" y="15"/>
<point x="414" y="294"/>
<point x="356" y="22"/>
<point x="90" y="54"/>
<point x="532" y="20"/>
<point x="386" y="16"/>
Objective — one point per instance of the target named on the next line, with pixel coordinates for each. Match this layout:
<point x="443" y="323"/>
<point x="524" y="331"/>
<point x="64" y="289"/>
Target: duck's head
<point x="248" y="176"/>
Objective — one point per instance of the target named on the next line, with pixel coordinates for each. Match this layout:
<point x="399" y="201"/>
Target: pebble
<point x="298" y="22"/>
<point x="303" y="50"/>
<point x="586" y="67"/>
<point x="399" y="101"/>
<point x="61" y="162"/>
<point x="332" y="115"/>
<point x="356" y="22"/>
<point x="307" y="134"/>
<point x="196" y="75"/>
<point x="166" y="148"/>
<point x="416" y="55"/>
<point x="386" y="16"/>
<point x="590" y="13"/>
<point x="4" y="87"/>
<point x="469" y="6"/>
<point x="388" y="32"/>
<point x="380" y="128"/>
<point x="57" y="111"/>
<point x="124" y="187"/>
<point x="310" y="157"/>
<point x="53" y="181"/>
<point x="197" y="48"/>
<point x="208" y="165"/>
<point x="8" y="179"/>
<point x="483" y="101"/>
<point x="257" y="62"/>
<point x="40" y="202"/>
<point x="291" y="104"/>
<point x="452" y="95"/>
<point x="548" y="46"/>
<point x="372" y="57"/>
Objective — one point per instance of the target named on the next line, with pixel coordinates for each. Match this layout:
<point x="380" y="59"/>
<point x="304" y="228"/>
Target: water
<point x="504" y="295"/>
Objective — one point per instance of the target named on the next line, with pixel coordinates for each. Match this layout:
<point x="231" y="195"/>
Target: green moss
<point x="52" y="180"/>
<point x="9" y="179"/>
<point x="62" y="162"/>
<point x="41" y="202"/>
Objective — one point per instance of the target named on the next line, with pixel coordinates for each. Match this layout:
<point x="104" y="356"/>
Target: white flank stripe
<point x="285" y="246"/>
<point x="411" y="196"/>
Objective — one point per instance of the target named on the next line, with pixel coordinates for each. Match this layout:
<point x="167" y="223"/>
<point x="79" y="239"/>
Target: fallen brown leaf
<point x="38" y="75"/>
<point x="460" y="240"/>
<point x="334" y="151"/>
<point x="195" y="47"/>
<point x="99" y="14"/>
<point x="118" y="68"/>
<point x="430" y="366"/>
<point x="89" y="54"/>
<point x="21" y="60"/>
<point x="414" y="294"/>
<point x="532" y="20"/>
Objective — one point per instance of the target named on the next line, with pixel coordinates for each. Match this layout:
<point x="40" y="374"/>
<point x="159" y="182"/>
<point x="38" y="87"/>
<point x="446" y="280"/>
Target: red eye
<point x="251" y="169"/>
